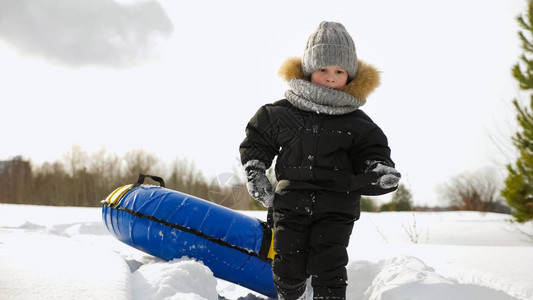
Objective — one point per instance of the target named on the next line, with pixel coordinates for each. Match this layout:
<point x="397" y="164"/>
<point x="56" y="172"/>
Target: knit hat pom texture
<point x="330" y="45"/>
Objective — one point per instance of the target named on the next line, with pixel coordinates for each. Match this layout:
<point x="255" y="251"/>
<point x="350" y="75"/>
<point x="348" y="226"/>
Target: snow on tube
<point x="170" y="224"/>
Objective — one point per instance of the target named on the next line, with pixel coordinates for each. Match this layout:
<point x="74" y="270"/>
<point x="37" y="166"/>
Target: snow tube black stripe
<point x="267" y="233"/>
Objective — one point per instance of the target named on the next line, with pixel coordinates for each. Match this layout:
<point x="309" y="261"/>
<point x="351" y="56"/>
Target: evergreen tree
<point x="518" y="190"/>
<point x="402" y="199"/>
<point x="367" y="204"/>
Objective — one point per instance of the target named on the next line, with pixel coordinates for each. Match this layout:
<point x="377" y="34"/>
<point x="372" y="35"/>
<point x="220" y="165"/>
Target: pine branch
<point x="518" y="190"/>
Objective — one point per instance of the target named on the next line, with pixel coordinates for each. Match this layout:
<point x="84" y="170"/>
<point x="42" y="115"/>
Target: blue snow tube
<point x="170" y="224"/>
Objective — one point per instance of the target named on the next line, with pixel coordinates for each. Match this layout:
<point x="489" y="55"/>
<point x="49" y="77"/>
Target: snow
<point x="67" y="253"/>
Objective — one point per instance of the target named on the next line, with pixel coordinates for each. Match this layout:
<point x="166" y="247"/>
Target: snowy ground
<point x="67" y="253"/>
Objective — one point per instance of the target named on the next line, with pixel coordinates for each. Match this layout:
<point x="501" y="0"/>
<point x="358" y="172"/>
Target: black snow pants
<point x="311" y="232"/>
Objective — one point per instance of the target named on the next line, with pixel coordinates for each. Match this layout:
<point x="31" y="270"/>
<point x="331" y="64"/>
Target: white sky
<point x="182" y="78"/>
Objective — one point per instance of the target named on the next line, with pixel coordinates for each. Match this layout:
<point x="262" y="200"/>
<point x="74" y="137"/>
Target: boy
<point x="329" y="153"/>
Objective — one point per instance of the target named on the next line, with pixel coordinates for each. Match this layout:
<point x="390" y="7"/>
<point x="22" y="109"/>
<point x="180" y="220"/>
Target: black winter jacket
<point x="315" y="151"/>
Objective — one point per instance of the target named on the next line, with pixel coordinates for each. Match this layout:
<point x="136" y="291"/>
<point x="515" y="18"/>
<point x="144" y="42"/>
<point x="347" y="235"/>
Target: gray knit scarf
<point x="311" y="97"/>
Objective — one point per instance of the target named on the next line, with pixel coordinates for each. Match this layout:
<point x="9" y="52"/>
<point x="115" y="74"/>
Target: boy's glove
<point x="389" y="177"/>
<point x="258" y="184"/>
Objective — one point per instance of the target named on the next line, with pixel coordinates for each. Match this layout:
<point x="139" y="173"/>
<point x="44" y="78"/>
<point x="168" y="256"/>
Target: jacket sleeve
<point x="371" y="147"/>
<point x="260" y="141"/>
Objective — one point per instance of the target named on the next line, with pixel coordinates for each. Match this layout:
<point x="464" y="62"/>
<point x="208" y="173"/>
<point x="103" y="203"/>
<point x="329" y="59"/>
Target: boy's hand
<point x="389" y="176"/>
<point x="258" y="184"/>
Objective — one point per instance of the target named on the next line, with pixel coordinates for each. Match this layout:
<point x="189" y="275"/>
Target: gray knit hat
<point x="330" y="45"/>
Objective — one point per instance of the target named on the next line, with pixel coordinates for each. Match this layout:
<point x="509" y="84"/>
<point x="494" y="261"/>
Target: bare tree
<point x="139" y="161"/>
<point x="15" y="177"/>
<point x="183" y="174"/>
<point x="478" y="191"/>
<point x="76" y="159"/>
<point x="108" y="169"/>
<point x="50" y="185"/>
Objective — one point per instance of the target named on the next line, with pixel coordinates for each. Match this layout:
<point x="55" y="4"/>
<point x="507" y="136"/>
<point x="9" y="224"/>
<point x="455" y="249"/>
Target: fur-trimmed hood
<point x="361" y="86"/>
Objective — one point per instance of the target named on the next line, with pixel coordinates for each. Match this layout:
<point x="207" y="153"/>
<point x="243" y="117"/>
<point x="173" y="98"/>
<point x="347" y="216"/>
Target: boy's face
<point x="334" y="77"/>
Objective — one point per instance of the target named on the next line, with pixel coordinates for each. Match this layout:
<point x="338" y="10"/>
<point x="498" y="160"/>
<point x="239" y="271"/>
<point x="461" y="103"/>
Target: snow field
<point x="67" y="253"/>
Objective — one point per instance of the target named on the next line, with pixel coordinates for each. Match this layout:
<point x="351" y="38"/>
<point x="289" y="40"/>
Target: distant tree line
<point x="479" y="191"/>
<point x="81" y="179"/>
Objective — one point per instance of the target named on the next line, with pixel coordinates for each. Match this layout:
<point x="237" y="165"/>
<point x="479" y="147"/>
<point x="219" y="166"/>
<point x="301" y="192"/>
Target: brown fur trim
<point x="292" y="68"/>
<point x="365" y="82"/>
